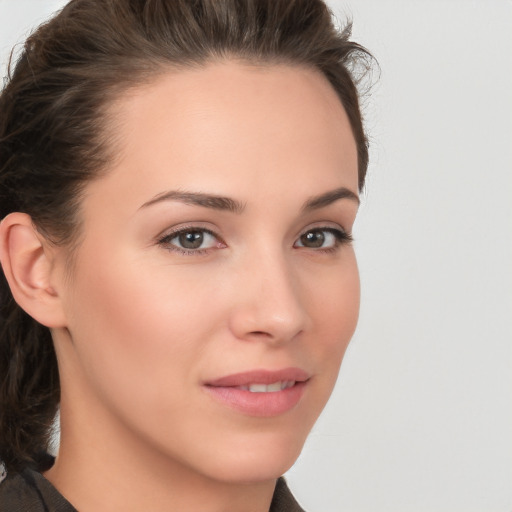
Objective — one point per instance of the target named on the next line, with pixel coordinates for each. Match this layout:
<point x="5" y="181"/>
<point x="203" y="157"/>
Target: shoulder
<point x="30" y="491"/>
<point x="283" y="500"/>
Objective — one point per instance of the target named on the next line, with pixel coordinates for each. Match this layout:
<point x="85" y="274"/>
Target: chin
<point x="261" y="470"/>
<point x="257" y="460"/>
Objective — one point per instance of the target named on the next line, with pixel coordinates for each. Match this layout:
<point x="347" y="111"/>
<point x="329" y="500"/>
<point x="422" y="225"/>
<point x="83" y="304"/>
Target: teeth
<point x="277" y="386"/>
<point x="268" y="388"/>
<point x="259" y="388"/>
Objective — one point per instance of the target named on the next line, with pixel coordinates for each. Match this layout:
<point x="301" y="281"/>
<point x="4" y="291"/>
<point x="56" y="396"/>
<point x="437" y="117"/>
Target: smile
<point x="260" y="393"/>
<point x="267" y="388"/>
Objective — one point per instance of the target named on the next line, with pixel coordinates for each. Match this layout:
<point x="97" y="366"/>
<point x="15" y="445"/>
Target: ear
<point x="28" y="265"/>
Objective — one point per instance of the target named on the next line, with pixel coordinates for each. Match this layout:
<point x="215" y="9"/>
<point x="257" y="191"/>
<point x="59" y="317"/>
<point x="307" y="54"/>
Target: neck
<point x="102" y="467"/>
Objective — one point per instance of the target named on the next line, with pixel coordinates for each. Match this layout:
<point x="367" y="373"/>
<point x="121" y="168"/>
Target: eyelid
<point x="165" y="238"/>
<point x="187" y="226"/>
<point x="343" y="237"/>
<point x="326" y="226"/>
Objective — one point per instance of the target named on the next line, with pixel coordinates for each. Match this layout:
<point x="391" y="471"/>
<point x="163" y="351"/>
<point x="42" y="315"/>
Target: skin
<point x="145" y="324"/>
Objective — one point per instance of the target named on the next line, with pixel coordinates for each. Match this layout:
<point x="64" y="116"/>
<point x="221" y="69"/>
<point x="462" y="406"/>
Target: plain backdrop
<point x="421" y="419"/>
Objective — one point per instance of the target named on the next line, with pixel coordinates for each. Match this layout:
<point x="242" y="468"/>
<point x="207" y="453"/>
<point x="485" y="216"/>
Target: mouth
<point x="267" y="388"/>
<point x="261" y="393"/>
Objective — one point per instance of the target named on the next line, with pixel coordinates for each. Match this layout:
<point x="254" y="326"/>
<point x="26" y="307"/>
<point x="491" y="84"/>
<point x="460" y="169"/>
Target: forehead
<point x="230" y="126"/>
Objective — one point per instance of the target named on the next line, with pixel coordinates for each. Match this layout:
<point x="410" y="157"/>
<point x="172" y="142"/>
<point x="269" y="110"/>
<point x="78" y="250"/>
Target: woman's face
<point x="215" y="288"/>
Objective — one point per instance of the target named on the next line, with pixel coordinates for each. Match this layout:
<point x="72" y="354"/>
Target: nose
<point x="268" y="302"/>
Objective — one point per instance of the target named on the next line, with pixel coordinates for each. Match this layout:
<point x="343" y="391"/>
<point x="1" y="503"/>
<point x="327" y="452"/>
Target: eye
<point x="323" y="238"/>
<point x="191" y="240"/>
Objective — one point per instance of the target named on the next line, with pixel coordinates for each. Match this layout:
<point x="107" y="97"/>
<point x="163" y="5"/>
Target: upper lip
<point x="260" y="377"/>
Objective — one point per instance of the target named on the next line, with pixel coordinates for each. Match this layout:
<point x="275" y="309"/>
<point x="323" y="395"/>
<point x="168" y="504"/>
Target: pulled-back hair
<point x="54" y="137"/>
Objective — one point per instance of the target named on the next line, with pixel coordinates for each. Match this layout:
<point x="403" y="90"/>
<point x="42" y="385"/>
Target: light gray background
<point x="421" y="419"/>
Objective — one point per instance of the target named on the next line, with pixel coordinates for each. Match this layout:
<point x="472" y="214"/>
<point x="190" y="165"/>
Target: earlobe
<point x="27" y="265"/>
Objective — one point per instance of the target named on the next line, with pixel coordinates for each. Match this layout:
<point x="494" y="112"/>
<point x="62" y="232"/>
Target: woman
<point x="178" y="185"/>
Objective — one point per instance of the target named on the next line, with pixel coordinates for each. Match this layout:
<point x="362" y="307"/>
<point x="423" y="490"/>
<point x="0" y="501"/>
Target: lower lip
<point x="259" y="404"/>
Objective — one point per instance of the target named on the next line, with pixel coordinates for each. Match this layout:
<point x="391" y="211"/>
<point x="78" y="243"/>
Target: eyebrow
<point x="232" y="205"/>
<point x="198" y="199"/>
<point x="327" y="198"/>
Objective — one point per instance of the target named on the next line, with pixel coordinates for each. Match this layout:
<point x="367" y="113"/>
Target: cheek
<point x="335" y="300"/>
<point x="334" y="309"/>
<point x="137" y="329"/>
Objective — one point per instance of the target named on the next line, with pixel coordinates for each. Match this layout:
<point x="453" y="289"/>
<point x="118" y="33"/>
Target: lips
<point x="260" y="392"/>
<point x="260" y="377"/>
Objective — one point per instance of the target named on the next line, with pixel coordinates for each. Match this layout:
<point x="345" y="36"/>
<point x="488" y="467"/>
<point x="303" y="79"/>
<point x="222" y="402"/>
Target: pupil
<point x="191" y="239"/>
<point x="313" y="239"/>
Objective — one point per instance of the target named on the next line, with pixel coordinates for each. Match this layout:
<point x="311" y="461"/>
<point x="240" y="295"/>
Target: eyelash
<point x="341" y="238"/>
<point x="166" y="240"/>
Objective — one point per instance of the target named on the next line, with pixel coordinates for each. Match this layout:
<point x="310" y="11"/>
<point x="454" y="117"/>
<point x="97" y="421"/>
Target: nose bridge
<point x="271" y="304"/>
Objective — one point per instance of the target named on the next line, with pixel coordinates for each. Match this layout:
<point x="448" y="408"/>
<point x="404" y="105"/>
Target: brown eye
<point x="323" y="238"/>
<point x="312" y="239"/>
<point x="191" y="239"/>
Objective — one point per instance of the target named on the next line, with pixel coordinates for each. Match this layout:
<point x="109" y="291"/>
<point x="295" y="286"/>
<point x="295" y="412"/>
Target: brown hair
<point x="53" y="138"/>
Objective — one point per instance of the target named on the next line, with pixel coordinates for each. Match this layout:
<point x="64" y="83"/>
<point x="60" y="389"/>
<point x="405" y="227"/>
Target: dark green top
<point x="29" y="491"/>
